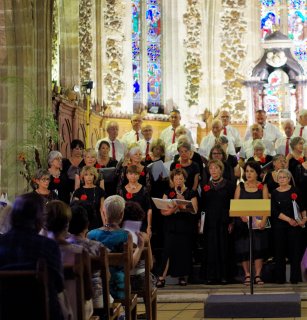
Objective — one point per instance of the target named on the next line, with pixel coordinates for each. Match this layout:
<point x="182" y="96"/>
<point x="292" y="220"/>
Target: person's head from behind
<point x="133" y="211"/>
<point x="58" y="217"/>
<point x="79" y="220"/>
<point x="113" y="209"/>
<point x="27" y="212"/>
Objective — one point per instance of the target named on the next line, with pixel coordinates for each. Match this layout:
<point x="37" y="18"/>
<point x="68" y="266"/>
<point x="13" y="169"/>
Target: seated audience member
<point x="146" y="142"/>
<point x="41" y="180"/>
<point x="211" y="139"/>
<point x="168" y="134"/>
<point x="261" y="156"/>
<point x="251" y="189"/>
<point x="270" y="179"/>
<point x="74" y="164"/>
<point x="229" y="131"/>
<point x="218" y="153"/>
<point x="247" y="150"/>
<point x="117" y="149"/>
<point x="113" y="237"/>
<point x="287" y="230"/>
<point x="134" y="191"/>
<point x="179" y="231"/>
<point x="134" y="212"/>
<point x="282" y="145"/>
<point x="91" y="194"/>
<point x="58" y="218"/>
<point x="135" y="135"/>
<point x="134" y="157"/>
<point x="59" y="182"/>
<point x="157" y="152"/>
<point x="296" y="157"/>
<point x="27" y="219"/>
<point x="301" y="127"/>
<point x="192" y="168"/>
<point x="216" y="196"/>
<point x="78" y="228"/>
<point x="270" y="132"/>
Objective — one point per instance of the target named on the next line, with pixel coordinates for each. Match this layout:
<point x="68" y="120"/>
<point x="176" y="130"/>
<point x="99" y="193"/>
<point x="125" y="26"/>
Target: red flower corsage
<point x="206" y="188"/>
<point x="148" y="158"/>
<point x="301" y="160"/>
<point x="98" y="166"/>
<point x="129" y="195"/>
<point x="293" y="196"/>
<point x="178" y="166"/>
<point x="262" y="159"/>
<point x="142" y="173"/>
<point x="83" y="197"/>
<point x="56" y="180"/>
<point x="172" y="194"/>
<point x="260" y="186"/>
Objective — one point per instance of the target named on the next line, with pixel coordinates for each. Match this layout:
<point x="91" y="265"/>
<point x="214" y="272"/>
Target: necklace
<point x="217" y="180"/>
<point x="133" y="187"/>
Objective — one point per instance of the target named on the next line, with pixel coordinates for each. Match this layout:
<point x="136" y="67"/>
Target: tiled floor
<point x="190" y="311"/>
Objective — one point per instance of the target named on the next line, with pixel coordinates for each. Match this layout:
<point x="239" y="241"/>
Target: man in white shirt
<point x="270" y="132"/>
<point x="212" y="138"/>
<point x="229" y="131"/>
<point x="135" y="135"/>
<point x="117" y="149"/>
<point x="168" y="134"/>
<point x="301" y="127"/>
<point x="247" y="150"/>
<point x="145" y="143"/>
<point x="282" y="145"/>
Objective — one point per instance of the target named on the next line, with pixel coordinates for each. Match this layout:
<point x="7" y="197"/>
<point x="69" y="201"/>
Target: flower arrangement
<point x="32" y="153"/>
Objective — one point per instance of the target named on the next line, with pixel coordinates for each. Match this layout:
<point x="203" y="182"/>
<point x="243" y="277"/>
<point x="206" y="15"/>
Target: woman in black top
<point x="287" y="230"/>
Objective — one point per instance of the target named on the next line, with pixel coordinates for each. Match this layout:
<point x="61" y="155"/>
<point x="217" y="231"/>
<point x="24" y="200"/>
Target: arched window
<point x="146" y="55"/>
<point x="270" y="17"/>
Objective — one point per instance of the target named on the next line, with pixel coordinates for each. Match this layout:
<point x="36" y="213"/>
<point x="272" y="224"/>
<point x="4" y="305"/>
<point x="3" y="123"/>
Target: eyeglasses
<point x="45" y="179"/>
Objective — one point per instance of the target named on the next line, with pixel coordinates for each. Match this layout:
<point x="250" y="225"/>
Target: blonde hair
<point x="91" y="152"/>
<point x="91" y="170"/>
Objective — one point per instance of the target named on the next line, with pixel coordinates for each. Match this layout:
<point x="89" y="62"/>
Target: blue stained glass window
<point x="136" y="49"/>
<point x="270" y="17"/>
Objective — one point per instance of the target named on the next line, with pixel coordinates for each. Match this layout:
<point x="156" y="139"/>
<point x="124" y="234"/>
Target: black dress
<point x="242" y="235"/>
<point x="70" y="170"/>
<point x="109" y="187"/>
<point x="92" y="198"/>
<point x="61" y="186"/>
<point x="142" y="198"/>
<point x="178" y="239"/>
<point x="287" y="239"/>
<point x="293" y="163"/>
<point x="216" y="204"/>
<point x="191" y="170"/>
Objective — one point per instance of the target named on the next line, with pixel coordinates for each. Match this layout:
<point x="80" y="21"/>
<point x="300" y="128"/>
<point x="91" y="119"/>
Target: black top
<point x="293" y="163"/>
<point x="92" y="198"/>
<point x="70" y="170"/>
<point x="61" y="186"/>
<point x="300" y="178"/>
<point x="191" y="170"/>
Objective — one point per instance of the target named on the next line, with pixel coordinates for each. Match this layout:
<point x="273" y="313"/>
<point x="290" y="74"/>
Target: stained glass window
<point x="147" y="75"/>
<point x="297" y="27"/>
<point x="270" y="17"/>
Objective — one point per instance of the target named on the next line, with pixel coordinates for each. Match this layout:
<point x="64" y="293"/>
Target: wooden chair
<point x="110" y="311"/>
<point x="130" y="300"/>
<point x="76" y="279"/>
<point x="149" y="293"/>
<point x="24" y="292"/>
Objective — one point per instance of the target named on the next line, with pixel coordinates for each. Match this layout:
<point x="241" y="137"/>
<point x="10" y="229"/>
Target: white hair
<point x="53" y="155"/>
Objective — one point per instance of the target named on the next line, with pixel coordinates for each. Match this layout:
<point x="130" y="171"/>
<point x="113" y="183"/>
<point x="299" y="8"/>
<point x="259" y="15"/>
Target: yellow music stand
<point x="250" y="208"/>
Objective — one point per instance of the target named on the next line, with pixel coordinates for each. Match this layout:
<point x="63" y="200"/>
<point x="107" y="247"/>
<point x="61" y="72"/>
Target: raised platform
<point x="253" y="306"/>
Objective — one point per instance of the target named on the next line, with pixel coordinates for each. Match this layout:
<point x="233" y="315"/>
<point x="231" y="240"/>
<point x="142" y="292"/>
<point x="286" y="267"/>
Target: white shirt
<point x="167" y="136"/>
<point x="120" y="148"/>
<point x="270" y="133"/>
<point x="233" y="134"/>
<point x="297" y="131"/>
<point x="280" y="146"/>
<point x="143" y="145"/>
<point x="247" y="150"/>
<point x="209" y="141"/>
<point x="131" y="137"/>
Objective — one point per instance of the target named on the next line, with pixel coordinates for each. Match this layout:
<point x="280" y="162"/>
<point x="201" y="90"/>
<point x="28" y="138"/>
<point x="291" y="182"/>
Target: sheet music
<point x="158" y="169"/>
<point x="132" y="227"/>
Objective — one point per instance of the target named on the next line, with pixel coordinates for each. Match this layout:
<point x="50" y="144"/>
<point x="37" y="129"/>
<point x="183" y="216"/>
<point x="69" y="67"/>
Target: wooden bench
<point x="24" y="293"/>
<point x="124" y="260"/>
<point x="110" y="311"/>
